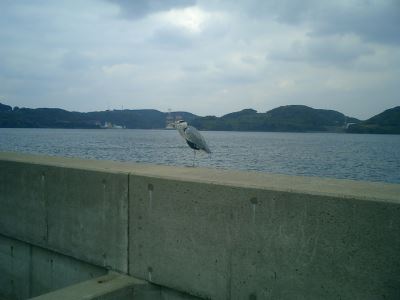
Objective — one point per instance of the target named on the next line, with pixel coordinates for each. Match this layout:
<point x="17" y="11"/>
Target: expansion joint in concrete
<point x="127" y="225"/>
<point x="46" y="206"/>
<point x="30" y="271"/>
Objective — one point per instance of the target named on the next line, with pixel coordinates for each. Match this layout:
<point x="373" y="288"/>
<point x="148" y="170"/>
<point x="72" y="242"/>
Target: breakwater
<point x="193" y="232"/>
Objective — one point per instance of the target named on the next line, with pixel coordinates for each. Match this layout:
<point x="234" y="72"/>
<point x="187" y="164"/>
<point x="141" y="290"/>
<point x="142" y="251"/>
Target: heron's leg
<point x="194" y="156"/>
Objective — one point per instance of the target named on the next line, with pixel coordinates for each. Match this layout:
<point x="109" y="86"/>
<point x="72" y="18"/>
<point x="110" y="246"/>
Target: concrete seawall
<point x="207" y="233"/>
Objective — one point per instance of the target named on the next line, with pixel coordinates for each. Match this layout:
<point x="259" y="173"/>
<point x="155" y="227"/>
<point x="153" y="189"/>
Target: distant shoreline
<point x="289" y="118"/>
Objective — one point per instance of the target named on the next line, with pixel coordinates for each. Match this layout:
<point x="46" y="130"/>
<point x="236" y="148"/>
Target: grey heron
<point x="192" y="137"/>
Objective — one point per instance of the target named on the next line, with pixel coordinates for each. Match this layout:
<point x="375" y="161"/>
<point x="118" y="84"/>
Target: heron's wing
<point x="194" y="136"/>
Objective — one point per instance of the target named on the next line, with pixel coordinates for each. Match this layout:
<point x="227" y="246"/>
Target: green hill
<point x="59" y="118"/>
<point x="4" y="107"/>
<point x="387" y="122"/>
<point x="290" y="118"/>
<point x="240" y="121"/>
<point x="42" y="118"/>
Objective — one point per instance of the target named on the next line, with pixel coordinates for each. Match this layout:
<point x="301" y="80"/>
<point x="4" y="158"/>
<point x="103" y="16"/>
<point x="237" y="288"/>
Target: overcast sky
<point x="208" y="57"/>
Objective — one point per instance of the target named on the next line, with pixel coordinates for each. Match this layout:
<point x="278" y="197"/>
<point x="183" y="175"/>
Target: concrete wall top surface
<point x="363" y="190"/>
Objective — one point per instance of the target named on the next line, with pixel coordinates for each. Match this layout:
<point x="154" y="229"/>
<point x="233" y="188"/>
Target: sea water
<point x="350" y="156"/>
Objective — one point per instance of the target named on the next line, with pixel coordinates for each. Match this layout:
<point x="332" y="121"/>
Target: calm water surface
<point x="351" y="156"/>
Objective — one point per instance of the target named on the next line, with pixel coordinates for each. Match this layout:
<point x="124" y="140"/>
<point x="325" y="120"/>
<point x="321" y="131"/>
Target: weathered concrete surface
<point x="87" y="215"/>
<point x="114" y="286"/>
<point x="226" y="242"/>
<point x="299" y="246"/>
<point x="375" y="191"/>
<point x="81" y="213"/>
<point x="27" y="270"/>
<point x="14" y="269"/>
<point x="174" y="238"/>
<point x="22" y="202"/>
<point x="51" y="271"/>
<point x="216" y="234"/>
<point x="110" y="286"/>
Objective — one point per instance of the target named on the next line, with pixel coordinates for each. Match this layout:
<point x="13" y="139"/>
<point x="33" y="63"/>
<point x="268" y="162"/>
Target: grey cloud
<point x="332" y="50"/>
<point x="171" y="38"/>
<point x="80" y="55"/>
<point x="284" y="11"/>
<point x="377" y="22"/>
<point x="74" y="60"/>
<point x="139" y="8"/>
<point x="373" y="21"/>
